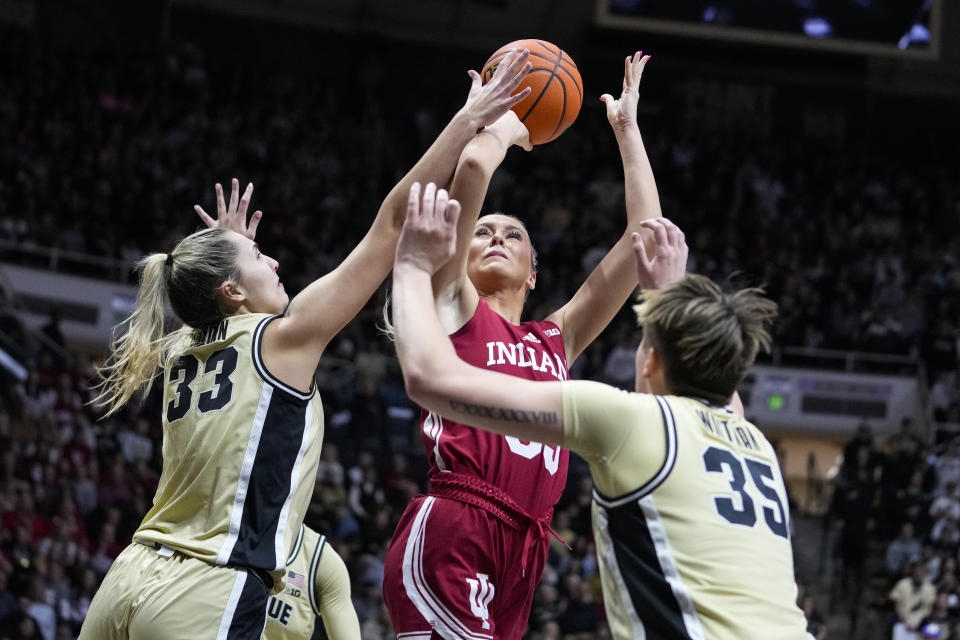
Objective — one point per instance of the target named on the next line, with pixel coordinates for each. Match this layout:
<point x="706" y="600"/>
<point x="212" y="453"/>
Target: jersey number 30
<point x="221" y="364"/>
<point x="742" y="510"/>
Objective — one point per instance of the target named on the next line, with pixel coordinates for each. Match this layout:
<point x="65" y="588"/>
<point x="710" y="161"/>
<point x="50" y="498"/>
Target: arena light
<point x="817" y="27"/>
<point x="10" y="364"/>
<point x="918" y="34"/>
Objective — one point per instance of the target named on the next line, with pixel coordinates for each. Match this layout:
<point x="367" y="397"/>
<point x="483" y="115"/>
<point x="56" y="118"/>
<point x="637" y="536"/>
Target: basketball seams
<point x="563" y="111"/>
<point x="558" y="53"/>
<point x="498" y="57"/>
<point x="553" y="74"/>
<point x="574" y="79"/>
<point x="543" y="53"/>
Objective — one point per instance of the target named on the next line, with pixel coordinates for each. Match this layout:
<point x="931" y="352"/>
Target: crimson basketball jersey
<point x="533" y="474"/>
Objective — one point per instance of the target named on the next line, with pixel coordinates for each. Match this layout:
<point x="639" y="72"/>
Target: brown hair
<point x="707" y="338"/>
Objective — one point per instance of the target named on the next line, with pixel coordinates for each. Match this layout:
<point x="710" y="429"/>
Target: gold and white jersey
<point x="240" y="452"/>
<point x="317" y="585"/>
<point x="690" y="517"/>
<point x="291" y="615"/>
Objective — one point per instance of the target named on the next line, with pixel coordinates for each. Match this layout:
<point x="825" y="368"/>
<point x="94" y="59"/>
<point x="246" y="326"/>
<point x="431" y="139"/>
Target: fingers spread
<point x="207" y="220"/>
<point x="514" y="99"/>
<point x="429" y="200"/>
<point x="641" y="63"/>
<point x="518" y="62"/>
<point x="221" y="205"/>
<point x="674" y="233"/>
<point x="610" y="103"/>
<point x="234" y="195"/>
<point x="413" y="202"/>
<point x="452" y="212"/>
<point x="640" y="250"/>
<point x="245" y="200"/>
<point x="440" y="207"/>
<point x="254" y="221"/>
<point x="659" y="231"/>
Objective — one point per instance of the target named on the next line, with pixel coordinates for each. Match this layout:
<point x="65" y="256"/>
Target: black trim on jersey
<point x="312" y="576"/>
<point x="647" y="586"/>
<point x="249" y="618"/>
<point x="270" y="482"/>
<point x="296" y="546"/>
<point x="262" y="369"/>
<point x="669" y="460"/>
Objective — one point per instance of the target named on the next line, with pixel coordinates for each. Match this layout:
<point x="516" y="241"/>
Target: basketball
<point x="556" y="89"/>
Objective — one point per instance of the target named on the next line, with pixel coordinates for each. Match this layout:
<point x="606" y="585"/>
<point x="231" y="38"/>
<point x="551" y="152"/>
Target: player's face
<point x="500" y="254"/>
<point x="259" y="282"/>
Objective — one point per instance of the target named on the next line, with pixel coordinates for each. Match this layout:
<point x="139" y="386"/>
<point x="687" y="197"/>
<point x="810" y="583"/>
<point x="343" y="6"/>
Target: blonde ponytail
<point x="189" y="277"/>
<point x="137" y="354"/>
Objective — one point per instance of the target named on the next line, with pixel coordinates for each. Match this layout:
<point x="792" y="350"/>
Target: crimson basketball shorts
<point x="456" y="568"/>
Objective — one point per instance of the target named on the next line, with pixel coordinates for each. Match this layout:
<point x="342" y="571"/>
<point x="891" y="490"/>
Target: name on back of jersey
<point x="737" y="435"/>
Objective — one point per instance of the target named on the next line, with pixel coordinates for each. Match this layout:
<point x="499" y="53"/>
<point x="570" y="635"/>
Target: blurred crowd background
<point x="855" y="236"/>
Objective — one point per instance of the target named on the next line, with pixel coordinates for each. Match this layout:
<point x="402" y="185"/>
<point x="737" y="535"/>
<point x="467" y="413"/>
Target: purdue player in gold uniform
<point x="317" y="585"/>
<point x="242" y="424"/>
<point x="690" y="510"/>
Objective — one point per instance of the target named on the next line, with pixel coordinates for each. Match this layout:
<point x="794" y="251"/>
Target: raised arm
<point x="435" y="377"/>
<point x="325" y="306"/>
<point x="294" y="344"/>
<point x="455" y="295"/>
<point x="611" y="282"/>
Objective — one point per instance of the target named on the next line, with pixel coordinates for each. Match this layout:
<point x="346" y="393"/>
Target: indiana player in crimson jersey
<point x="465" y="559"/>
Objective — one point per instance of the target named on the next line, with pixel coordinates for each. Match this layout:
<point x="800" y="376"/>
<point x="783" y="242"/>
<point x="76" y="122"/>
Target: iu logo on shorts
<point x="481" y="593"/>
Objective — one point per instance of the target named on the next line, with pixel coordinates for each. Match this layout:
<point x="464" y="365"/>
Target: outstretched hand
<point x="234" y="216"/>
<point x="669" y="263"/>
<point x="487" y="102"/>
<point x="429" y="234"/>
<point x="623" y="111"/>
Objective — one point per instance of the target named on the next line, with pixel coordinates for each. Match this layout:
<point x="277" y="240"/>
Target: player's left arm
<point x="609" y="285"/>
<point x="435" y="377"/>
<point x="331" y="583"/>
<point x="325" y="306"/>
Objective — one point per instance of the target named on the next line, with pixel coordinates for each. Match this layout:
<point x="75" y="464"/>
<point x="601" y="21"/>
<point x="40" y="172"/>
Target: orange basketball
<point x="556" y="89"/>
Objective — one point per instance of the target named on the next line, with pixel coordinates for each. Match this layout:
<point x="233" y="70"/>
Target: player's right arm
<point x="591" y="419"/>
<point x="456" y="297"/>
<point x="294" y="343"/>
<point x="435" y="377"/>
<point x="438" y="380"/>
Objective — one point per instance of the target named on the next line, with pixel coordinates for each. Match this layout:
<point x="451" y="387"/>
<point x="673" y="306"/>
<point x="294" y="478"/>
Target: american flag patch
<point x="295" y="579"/>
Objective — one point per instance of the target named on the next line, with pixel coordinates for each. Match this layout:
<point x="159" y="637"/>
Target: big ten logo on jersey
<point x="526" y="353"/>
<point x="279" y="610"/>
<point x="481" y="593"/>
<point x="552" y="333"/>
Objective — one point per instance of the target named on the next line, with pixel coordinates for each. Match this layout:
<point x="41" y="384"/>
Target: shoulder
<point x="597" y="416"/>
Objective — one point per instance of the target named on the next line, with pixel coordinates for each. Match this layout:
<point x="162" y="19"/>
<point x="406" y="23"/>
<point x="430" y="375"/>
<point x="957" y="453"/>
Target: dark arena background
<point x="808" y="149"/>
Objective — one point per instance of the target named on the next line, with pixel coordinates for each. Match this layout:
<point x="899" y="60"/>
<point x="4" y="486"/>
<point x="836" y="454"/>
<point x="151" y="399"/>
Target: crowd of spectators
<point x="900" y="494"/>
<point x="105" y="157"/>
